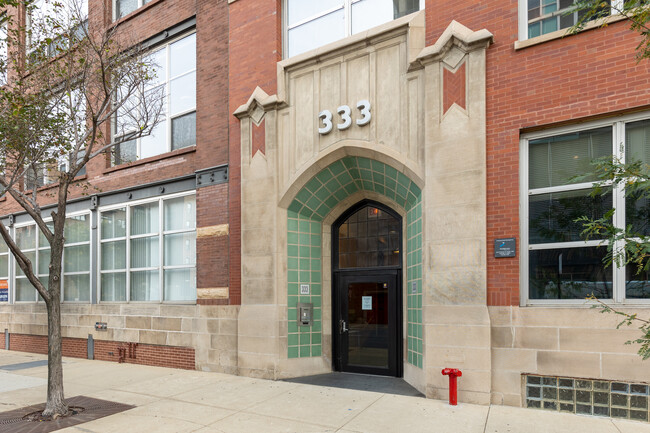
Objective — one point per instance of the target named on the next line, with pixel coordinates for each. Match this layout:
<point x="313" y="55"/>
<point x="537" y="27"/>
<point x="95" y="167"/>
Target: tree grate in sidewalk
<point x="14" y="422"/>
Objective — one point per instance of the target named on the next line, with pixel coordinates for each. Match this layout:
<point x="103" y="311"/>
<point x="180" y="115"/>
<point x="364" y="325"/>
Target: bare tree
<point x="74" y="92"/>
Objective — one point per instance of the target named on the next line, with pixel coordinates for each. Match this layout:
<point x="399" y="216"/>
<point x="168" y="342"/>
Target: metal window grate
<point x="588" y="397"/>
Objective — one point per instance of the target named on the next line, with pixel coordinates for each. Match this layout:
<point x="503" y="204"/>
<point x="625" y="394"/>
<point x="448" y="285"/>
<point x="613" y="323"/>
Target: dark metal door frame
<point x="340" y="279"/>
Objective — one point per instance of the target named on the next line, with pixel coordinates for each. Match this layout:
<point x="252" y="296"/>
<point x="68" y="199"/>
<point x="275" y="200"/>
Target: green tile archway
<point x="306" y="212"/>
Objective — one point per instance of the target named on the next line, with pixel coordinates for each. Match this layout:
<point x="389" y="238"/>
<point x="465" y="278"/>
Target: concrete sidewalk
<point x="169" y="400"/>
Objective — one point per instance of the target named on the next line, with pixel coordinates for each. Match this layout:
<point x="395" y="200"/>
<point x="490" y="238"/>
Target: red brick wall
<point x="255" y="48"/>
<point x="565" y="80"/>
<point x="73" y="347"/>
<point x="145" y="354"/>
<point x="212" y="251"/>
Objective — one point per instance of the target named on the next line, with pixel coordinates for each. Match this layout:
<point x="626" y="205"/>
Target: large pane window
<point x="175" y="77"/>
<point x="311" y="24"/>
<point x="559" y="263"/>
<point x="75" y="261"/>
<point x="148" y="251"/>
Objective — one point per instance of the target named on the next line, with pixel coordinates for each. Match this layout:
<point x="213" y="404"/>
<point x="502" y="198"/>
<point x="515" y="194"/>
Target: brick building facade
<point x="356" y="167"/>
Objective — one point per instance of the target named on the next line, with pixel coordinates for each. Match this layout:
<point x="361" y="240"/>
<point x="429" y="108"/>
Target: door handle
<point x="343" y="327"/>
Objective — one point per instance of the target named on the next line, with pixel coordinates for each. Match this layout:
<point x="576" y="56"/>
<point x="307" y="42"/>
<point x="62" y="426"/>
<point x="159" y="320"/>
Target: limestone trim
<point x="342" y="149"/>
<point x="455" y="34"/>
<point x="412" y="25"/>
<point x="212" y="293"/>
<point x="216" y="231"/>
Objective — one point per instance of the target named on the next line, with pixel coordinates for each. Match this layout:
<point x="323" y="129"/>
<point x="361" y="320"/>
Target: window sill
<point x="139" y="162"/>
<point x="136" y="12"/>
<point x="56" y="184"/>
<point x="559" y="34"/>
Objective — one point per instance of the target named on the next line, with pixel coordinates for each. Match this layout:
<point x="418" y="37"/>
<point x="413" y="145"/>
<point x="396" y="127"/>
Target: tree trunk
<point x="55" y="404"/>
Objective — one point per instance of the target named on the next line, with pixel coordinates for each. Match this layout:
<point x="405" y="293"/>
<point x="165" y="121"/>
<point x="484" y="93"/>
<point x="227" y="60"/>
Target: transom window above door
<point x="312" y="24"/>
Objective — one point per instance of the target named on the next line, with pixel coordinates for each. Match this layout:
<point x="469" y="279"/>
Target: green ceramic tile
<point x="292" y="276"/>
<point x="391" y="172"/>
<point x="323" y="210"/>
<point x="315" y="265"/>
<point x="313" y="185"/>
<point x="331" y="201"/>
<point x="379" y="189"/>
<point x="305" y="265"/>
<point x="292" y="327"/>
<point x="365" y="175"/>
<point x="316" y="327"/>
<point x="291" y="314"/>
<point x="292" y="214"/>
<point x="295" y="207"/>
<point x="316" y="350"/>
<point x="313" y="203"/>
<point x="377" y="166"/>
<point x="336" y="168"/>
<point x="403" y="180"/>
<point x="294" y="288"/>
<point x="341" y="194"/>
<point x="315" y="277"/>
<point x="305" y="277"/>
<point x="315" y="240"/>
<point x="292" y="263"/>
<point x="303" y="195"/>
<point x="305" y="338"/>
<point x="324" y="176"/>
<point x="293" y="339"/>
<point x="305" y="239"/>
<point x="305" y="250"/>
<point x="292" y="225"/>
<point x="305" y="351"/>
<point x="363" y="163"/>
<point x="390" y="183"/>
<point x="378" y="178"/>
<point x="315" y="252"/>
<point x="317" y="314"/>
<point x="344" y="178"/>
<point x="293" y="352"/>
<point x="349" y="162"/>
<point x="354" y="173"/>
<point x="333" y="186"/>
<point x="351" y="188"/>
<point x="292" y="238"/>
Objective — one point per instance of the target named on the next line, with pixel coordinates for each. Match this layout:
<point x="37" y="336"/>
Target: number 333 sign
<point x="344" y="111"/>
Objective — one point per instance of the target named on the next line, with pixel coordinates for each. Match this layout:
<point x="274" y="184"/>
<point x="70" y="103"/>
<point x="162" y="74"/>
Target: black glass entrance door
<point x="366" y="297"/>
<point x="367" y="323"/>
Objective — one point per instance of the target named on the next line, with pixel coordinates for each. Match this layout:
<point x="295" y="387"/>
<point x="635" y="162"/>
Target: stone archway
<point x="348" y="176"/>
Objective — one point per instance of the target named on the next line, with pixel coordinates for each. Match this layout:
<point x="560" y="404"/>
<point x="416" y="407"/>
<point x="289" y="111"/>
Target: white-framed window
<point x="557" y="264"/>
<point x="122" y="8"/>
<point x="45" y="173"/>
<point x="539" y="17"/>
<point x="312" y="24"/>
<point x="52" y="14"/>
<point x="148" y="250"/>
<point x="75" y="263"/>
<point x="176" y="79"/>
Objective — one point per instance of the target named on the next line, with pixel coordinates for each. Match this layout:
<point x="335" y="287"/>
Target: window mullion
<point x="619" y="214"/>
<point x="128" y="253"/>
<point x="161" y="248"/>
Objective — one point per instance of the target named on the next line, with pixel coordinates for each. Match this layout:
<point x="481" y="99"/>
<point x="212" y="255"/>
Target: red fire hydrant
<point x="453" y="373"/>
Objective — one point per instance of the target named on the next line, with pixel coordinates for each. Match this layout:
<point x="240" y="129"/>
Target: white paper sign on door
<point x="366" y="302"/>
